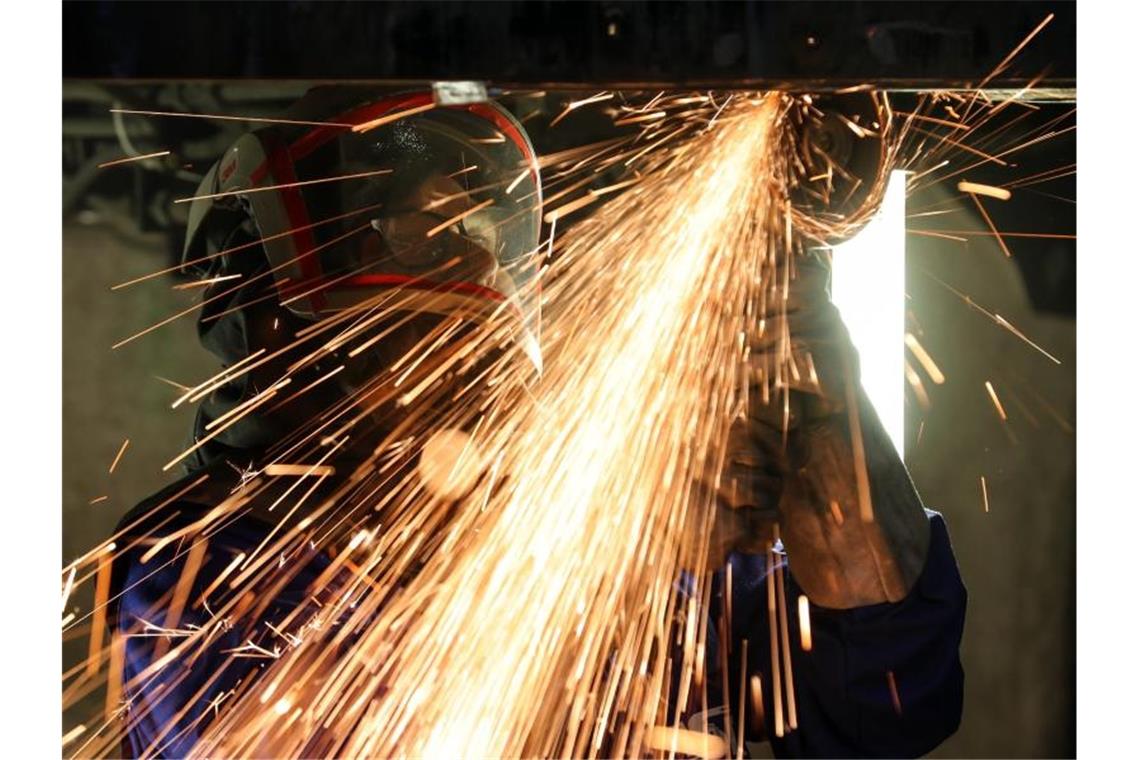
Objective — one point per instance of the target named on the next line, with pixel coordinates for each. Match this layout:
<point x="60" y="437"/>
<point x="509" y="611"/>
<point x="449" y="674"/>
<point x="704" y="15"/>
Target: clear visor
<point x="439" y="211"/>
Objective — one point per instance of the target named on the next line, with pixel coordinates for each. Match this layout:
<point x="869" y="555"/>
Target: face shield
<point x="436" y="213"/>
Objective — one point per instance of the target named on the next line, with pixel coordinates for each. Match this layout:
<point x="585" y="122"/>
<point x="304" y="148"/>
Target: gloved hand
<point x="854" y="535"/>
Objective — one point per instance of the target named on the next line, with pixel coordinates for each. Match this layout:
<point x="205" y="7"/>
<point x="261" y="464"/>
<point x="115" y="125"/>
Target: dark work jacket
<point x="844" y="701"/>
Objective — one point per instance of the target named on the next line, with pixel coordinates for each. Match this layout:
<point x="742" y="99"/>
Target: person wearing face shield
<point x="434" y="213"/>
<point x="422" y="225"/>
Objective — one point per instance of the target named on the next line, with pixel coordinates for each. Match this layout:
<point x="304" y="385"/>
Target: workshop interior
<point x="944" y="136"/>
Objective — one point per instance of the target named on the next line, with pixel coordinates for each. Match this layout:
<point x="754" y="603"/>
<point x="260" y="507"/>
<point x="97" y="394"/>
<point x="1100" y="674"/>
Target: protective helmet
<point x="429" y="208"/>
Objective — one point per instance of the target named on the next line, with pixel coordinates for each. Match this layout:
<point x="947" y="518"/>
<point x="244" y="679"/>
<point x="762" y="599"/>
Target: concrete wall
<point x="1019" y="559"/>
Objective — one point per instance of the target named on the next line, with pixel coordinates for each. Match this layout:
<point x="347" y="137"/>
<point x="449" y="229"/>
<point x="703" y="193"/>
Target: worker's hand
<point x="854" y="536"/>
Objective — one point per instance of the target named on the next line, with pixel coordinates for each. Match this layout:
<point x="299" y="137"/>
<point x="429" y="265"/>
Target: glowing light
<point x="868" y="286"/>
<point x="804" y="609"/>
<point x="449" y="464"/>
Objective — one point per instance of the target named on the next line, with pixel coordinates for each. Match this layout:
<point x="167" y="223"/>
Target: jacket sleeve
<point x="172" y="687"/>
<point x="879" y="681"/>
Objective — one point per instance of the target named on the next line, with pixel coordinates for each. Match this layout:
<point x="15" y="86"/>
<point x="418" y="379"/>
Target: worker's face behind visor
<point x="451" y="230"/>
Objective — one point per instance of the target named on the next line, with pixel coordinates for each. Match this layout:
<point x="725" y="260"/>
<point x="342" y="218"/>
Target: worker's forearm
<point x="842" y="559"/>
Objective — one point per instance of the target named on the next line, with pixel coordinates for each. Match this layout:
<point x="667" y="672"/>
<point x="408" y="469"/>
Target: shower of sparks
<point x="613" y="437"/>
<point x="536" y="613"/>
<point x="985" y="495"/>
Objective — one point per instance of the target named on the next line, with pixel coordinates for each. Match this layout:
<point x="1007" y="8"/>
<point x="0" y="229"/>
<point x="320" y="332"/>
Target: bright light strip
<point x="868" y="286"/>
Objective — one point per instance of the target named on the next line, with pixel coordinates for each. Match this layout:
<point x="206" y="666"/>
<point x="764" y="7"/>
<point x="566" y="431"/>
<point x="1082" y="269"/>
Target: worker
<point x="434" y="213"/>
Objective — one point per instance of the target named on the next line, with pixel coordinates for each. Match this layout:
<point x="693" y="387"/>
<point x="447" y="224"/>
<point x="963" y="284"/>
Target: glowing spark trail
<point x="118" y="456"/>
<point x="129" y="159"/>
<point x="267" y="188"/>
<point x="618" y="429"/>
<point x="997" y="402"/>
<point x="978" y="189"/>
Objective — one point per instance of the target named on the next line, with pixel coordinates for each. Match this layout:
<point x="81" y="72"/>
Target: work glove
<point x="811" y="456"/>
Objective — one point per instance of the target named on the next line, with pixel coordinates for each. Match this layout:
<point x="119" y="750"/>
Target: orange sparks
<point x="97" y="499"/>
<point x="115" y="675"/>
<point x="129" y="159"/>
<point x="302" y="470"/>
<point x="789" y="681"/>
<point x="217" y="582"/>
<point x="568" y="208"/>
<point x="171" y="383"/>
<point x="836" y="512"/>
<point x="251" y="244"/>
<point x="924" y="359"/>
<point x="895" y="701"/>
<point x="805" y="622"/>
<point x="931" y="233"/>
<point x="641" y="118"/>
<point x="392" y="117"/>
<point x="997" y="402"/>
<point x="74" y="734"/>
<point x="997" y="318"/>
<point x="515" y="182"/>
<point x="989" y="190"/>
<point x="205" y="283"/>
<point x="990" y="222"/>
<point x="99" y="621"/>
<point x="265" y="188"/>
<point x="916" y="385"/>
<point x="963" y="234"/>
<point x="985" y="495"/>
<point x="1005" y="323"/>
<point x="181" y="594"/>
<point x="224" y="117"/>
<point x="118" y="456"/>
<point x="459" y="217"/>
<point x="686" y="743"/>
<point x="579" y="103"/>
<point x="969" y="149"/>
<point x="67" y="586"/>
<point x="757" y="689"/>
<point x="1013" y="53"/>
<point x="774" y="646"/>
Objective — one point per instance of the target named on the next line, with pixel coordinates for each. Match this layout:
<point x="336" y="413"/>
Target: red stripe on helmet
<point x="315" y="138"/>
<point x="281" y="169"/>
